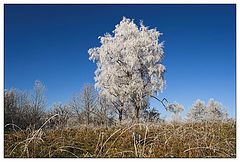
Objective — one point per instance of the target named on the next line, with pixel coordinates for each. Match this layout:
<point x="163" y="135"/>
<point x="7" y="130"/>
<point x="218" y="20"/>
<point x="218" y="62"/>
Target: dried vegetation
<point x="186" y="140"/>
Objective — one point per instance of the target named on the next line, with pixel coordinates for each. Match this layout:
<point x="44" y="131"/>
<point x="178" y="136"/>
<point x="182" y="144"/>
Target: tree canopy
<point x="129" y="64"/>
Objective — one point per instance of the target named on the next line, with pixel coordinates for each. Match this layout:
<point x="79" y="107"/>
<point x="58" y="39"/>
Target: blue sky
<point x="50" y="43"/>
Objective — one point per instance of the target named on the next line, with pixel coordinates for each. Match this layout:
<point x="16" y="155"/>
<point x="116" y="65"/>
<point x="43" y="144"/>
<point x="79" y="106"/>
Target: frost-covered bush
<point x="64" y="115"/>
<point x="129" y="65"/>
<point x="212" y="111"/>
<point x="176" y="110"/>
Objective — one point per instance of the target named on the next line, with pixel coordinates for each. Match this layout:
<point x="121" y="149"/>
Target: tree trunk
<point x="136" y="114"/>
<point x="88" y="118"/>
<point x="120" y="115"/>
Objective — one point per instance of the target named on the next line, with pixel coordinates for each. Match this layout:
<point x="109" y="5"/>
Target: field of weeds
<point x="188" y="140"/>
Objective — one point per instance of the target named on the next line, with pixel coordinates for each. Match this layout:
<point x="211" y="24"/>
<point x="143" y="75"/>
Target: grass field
<point x="188" y="140"/>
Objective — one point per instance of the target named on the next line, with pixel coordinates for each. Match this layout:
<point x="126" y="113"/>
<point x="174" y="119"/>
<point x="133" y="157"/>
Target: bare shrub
<point x="25" y="110"/>
<point x="16" y="109"/>
<point x="64" y="116"/>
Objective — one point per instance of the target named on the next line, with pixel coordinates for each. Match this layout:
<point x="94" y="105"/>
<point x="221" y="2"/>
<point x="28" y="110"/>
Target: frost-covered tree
<point x="212" y="111"/>
<point x="197" y="112"/>
<point x="129" y="65"/>
<point x="215" y="111"/>
<point x="176" y="110"/>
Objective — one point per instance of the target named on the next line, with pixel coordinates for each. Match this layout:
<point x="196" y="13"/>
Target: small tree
<point x="38" y="103"/>
<point x="197" y="112"/>
<point x="129" y="64"/>
<point x="88" y="101"/>
<point x="103" y="113"/>
<point x="76" y="107"/>
<point x="212" y="111"/>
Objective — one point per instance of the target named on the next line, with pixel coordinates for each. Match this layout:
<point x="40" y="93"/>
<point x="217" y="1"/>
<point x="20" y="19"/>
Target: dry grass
<point x="188" y="140"/>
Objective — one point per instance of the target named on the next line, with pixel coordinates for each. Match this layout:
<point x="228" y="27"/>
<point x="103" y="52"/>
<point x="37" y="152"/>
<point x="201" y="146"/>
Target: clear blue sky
<point x="50" y="43"/>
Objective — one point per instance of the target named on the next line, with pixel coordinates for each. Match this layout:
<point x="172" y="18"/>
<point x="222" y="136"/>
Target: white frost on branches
<point x="176" y="110"/>
<point x="212" y="111"/>
<point x="129" y="67"/>
<point x="197" y="112"/>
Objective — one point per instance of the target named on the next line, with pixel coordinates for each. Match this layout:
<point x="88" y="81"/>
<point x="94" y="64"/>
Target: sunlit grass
<point x="189" y="140"/>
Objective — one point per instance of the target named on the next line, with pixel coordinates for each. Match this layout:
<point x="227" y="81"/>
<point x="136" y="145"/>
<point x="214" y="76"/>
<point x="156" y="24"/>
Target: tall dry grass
<point x="187" y="140"/>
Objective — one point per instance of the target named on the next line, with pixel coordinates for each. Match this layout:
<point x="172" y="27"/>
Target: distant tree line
<point x="24" y="110"/>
